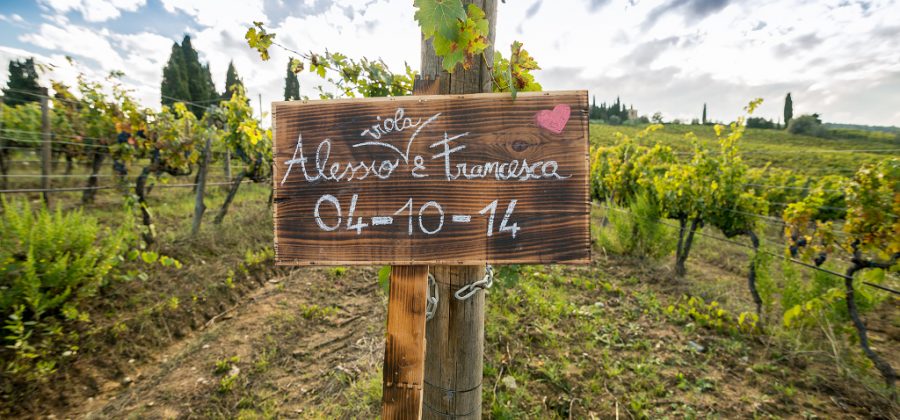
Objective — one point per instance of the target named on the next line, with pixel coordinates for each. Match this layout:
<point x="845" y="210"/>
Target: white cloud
<point x="822" y="45"/>
<point x="96" y="10"/>
<point x="77" y="41"/>
<point x="145" y="56"/>
<point x="13" y="18"/>
<point x="218" y="12"/>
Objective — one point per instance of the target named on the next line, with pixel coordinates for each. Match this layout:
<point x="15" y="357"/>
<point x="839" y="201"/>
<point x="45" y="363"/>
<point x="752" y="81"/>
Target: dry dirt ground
<point x="298" y="339"/>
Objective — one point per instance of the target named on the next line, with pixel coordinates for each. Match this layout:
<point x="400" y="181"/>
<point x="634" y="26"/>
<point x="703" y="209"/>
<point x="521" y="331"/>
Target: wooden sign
<point x="451" y="179"/>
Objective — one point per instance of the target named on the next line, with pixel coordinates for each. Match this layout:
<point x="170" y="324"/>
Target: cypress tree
<point x="788" y="109"/>
<point x="704" y="114"/>
<point x="231" y="79"/>
<point x="210" y="94"/>
<point x="185" y="79"/>
<point x="291" y="84"/>
<point x="23" y="78"/>
<point x="174" y="85"/>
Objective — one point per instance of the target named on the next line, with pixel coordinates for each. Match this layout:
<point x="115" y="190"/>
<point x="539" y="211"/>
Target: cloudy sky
<point x="840" y="58"/>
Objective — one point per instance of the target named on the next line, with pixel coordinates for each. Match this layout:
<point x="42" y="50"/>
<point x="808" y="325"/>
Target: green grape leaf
<point x="258" y="39"/>
<point x="439" y="17"/>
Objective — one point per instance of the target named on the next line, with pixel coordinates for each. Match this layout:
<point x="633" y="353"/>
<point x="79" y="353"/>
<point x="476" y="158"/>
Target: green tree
<point x="788" y="109"/>
<point x="174" y="85"/>
<point x="704" y="114"/>
<point x="809" y="125"/>
<point x="185" y="79"/>
<point x="23" y="78"/>
<point x="231" y="80"/>
<point x="291" y="84"/>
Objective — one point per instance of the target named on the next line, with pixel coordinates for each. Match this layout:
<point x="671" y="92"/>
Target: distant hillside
<point x="886" y="129"/>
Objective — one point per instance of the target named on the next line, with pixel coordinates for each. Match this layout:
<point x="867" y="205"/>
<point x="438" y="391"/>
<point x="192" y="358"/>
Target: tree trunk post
<point x="45" y="147"/>
<point x="454" y="358"/>
<point x="199" y="207"/>
<point x="448" y="383"/>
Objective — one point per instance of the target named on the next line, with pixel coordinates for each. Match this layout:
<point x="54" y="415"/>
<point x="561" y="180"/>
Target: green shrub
<point x="636" y="230"/>
<point x="808" y="125"/>
<point x="49" y="264"/>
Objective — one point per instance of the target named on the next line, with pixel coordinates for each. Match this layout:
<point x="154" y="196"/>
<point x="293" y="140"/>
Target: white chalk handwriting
<point x="445" y="151"/>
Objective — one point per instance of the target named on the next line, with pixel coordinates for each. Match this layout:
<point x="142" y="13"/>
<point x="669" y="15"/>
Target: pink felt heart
<point x="555" y="120"/>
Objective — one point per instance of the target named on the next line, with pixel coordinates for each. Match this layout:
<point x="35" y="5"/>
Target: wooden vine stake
<point x="450" y="178"/>
<point x="46" y="152"/>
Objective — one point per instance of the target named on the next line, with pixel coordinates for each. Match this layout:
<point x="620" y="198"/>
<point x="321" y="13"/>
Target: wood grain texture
<point x="454" y="355"/>
<point x="404" y="347"/>
<point x="552" y="213"/>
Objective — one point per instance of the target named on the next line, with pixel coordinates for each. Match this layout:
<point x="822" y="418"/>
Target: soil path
<point x="298" y="339"/>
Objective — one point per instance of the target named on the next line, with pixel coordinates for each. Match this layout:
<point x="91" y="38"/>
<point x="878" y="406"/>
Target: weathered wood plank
<point x="453" y="156"/>
<point x="455" y="338"/>
<point x="404" y="349"/>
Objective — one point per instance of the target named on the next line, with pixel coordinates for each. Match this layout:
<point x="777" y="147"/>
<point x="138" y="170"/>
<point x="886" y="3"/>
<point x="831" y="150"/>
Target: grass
<point x="807" y="155"/>
<point x="618" y="339"/>
<point x="133" y="319"/>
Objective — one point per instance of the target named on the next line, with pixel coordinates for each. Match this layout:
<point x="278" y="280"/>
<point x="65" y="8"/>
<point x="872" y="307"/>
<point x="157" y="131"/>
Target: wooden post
<point x="199" y="206"/>
<point x="404" y="346"/>
<point x="454" y="358"/>
<point x="3" y="153"/>
<point x="45" y="146"/>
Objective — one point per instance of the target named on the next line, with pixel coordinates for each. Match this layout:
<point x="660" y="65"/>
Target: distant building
<point x="632" y="113"/>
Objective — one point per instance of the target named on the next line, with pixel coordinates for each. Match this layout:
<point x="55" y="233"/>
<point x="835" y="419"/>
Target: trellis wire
<point x="105" y="187"/>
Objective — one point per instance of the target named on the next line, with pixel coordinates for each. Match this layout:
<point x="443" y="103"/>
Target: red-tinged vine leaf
<point x="449" y="51"/>
<point x="439" y="17"/>
<point x="521" y="58"/>
<point x="473" y="34"/>
<point x="469" y="41"/>
<point x="296" y="65"/>
<point x="514" y="75"/>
